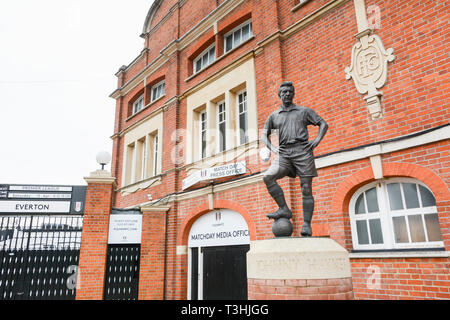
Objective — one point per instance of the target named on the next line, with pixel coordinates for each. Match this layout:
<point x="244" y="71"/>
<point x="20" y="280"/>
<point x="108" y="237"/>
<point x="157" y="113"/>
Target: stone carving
<point x="368" y="69"/>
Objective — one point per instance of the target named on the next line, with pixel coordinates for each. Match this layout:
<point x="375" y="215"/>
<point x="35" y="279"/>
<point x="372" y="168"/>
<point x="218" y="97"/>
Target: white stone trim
<point x="383" y="148"/>
<point x="297" y="258"/>
<point x="100" y="176"/>
<point x="149" y="208"/>
<point x="182" y="250"/>
<point x="377" y="166"/>
<point x="141" y="185"/>
<point x="331" y="160"/>
<point x="399" y="254"/>
<point x="361" y="16"/>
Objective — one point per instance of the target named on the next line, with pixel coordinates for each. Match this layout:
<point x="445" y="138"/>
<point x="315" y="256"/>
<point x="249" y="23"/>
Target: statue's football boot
<point x="306" y="230"/>
<point x="284" y="212"/>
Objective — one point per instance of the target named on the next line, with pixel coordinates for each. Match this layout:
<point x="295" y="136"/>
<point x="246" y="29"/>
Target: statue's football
<point x="282" y="227"/>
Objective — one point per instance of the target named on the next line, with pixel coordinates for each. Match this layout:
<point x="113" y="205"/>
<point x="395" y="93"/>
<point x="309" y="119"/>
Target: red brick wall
<point x="314" y="58"/>
<point x="302" y="289"/>
<point x="401" y="278"/>
<point x="151" y="273"/>
<point x="413" y="99"/>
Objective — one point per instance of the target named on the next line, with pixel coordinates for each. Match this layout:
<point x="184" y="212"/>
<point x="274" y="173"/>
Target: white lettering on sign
<point x="40" y="195"/>
<point x="35" y="206"/>
<point x="125" y="228"/>
<point x="220" y="235"/>
<point x="219" y="228"/>
<point x="39" y="188"/>
<point x="226" y="170"/>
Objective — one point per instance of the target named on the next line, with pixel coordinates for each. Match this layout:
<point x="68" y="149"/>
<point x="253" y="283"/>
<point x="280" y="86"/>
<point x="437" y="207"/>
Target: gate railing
<point x="39" y="256"/>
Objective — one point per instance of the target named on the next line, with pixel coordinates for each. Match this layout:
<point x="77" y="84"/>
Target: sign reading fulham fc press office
<point x="226" y="170"/>
<point x="42" y="199"/>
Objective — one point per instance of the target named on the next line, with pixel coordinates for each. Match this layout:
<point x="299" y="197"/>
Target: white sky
<point x="57" y="65"/>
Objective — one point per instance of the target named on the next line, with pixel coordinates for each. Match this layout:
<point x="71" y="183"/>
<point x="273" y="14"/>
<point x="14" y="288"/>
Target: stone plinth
<point x="310" y="268"/>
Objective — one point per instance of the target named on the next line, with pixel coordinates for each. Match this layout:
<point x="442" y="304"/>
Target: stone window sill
<point x="222" y="157"/>
<point x="140" y="185"/>
<point x="400" y="254"/>
<point x="299" y="5"/>
<point x="144" y="108"/>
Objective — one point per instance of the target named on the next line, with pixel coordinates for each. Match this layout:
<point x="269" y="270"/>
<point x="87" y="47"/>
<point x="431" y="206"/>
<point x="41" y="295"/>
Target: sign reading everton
<point x="44" y="199"/>
<point x="226" y="170"/>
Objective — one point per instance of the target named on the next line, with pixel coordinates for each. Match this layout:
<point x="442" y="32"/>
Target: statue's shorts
<point x="294" y="160"/>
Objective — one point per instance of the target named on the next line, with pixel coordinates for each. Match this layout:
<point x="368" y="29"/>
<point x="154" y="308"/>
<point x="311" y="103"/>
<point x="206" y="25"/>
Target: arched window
<point x="394" y="214"/>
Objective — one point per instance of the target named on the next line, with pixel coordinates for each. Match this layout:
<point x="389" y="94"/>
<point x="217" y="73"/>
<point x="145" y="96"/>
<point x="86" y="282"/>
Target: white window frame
<point x="138" y="105"/>
<point x="385" y="215"/>
<point x="202" y="130"/>
<point x="201" y="56"/>
<point x="231" y="33"/>
<point x="157" y="86"/>
<point x="238" y="119"/>
<point x="155" y="139"/>
<point x="218" y="122"/>
<point x="144" y="156"/>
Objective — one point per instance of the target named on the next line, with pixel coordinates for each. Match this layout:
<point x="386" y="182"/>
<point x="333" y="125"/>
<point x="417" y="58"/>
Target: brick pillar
<point x="151" y="273"/>
<point x="94" y="238"/>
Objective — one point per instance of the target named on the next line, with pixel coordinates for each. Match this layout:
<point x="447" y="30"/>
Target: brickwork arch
<point x="346" y="189"/>
<point x="204" y="208"/>
<point x="150" y="15"/>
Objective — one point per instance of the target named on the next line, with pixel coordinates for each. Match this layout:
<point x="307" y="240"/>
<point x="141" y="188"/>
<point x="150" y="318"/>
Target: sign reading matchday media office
<point x="226" y="170"/>
<point x="222" y="227"/>
<point x="42" y="199"/>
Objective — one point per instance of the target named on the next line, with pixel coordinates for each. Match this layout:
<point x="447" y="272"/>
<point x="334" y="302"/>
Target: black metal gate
<point x="122" y="272"/>
<point x="39" y="256"/>
<point x="225" y="272"/>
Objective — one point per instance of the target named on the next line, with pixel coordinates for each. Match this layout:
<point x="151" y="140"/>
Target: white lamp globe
<point x="103" y="158"/>
<point x="264" y="154"/>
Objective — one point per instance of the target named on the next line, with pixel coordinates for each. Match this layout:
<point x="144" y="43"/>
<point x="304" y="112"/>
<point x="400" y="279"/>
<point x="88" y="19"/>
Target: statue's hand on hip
<point x="311" y="145"/>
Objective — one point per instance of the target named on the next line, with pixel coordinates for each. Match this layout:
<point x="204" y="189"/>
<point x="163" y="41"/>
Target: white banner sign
<point x="226" y="170"/>
<point x="219" y="228"/>
<point x="125" y="228"/>
<point x="13" y="206"/>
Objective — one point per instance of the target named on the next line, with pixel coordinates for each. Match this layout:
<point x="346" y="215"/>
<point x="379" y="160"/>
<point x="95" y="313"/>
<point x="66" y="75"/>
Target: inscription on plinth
<point x="297" y="258"/>
<point x="315" y="268"/>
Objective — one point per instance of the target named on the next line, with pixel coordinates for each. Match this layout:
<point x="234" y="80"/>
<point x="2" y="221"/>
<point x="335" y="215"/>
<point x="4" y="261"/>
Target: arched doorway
<point x="217" y="266"/>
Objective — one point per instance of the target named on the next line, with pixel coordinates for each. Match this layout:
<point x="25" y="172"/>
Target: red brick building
<point x="199" y="93"/>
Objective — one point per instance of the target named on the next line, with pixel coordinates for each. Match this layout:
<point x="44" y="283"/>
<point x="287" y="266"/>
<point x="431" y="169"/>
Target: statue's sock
<point x="277" y="194"/>
<point x="308" y="209"/>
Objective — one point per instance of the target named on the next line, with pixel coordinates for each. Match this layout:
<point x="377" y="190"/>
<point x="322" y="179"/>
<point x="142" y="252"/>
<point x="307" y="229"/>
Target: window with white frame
<point x="238" y="35"/>
<point x="242" y="117"/>
<point x="398" y="213"/>
<point x="158" y="90"/>
<point x="138" y="105"/>
<point x="221" y="126"/>
<point x="142" y="159"/>
<point x="155" y="153"/>
<point x="205" y="58"/>
<point x="228" y="110"/>
<point x="202" y="133"/>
